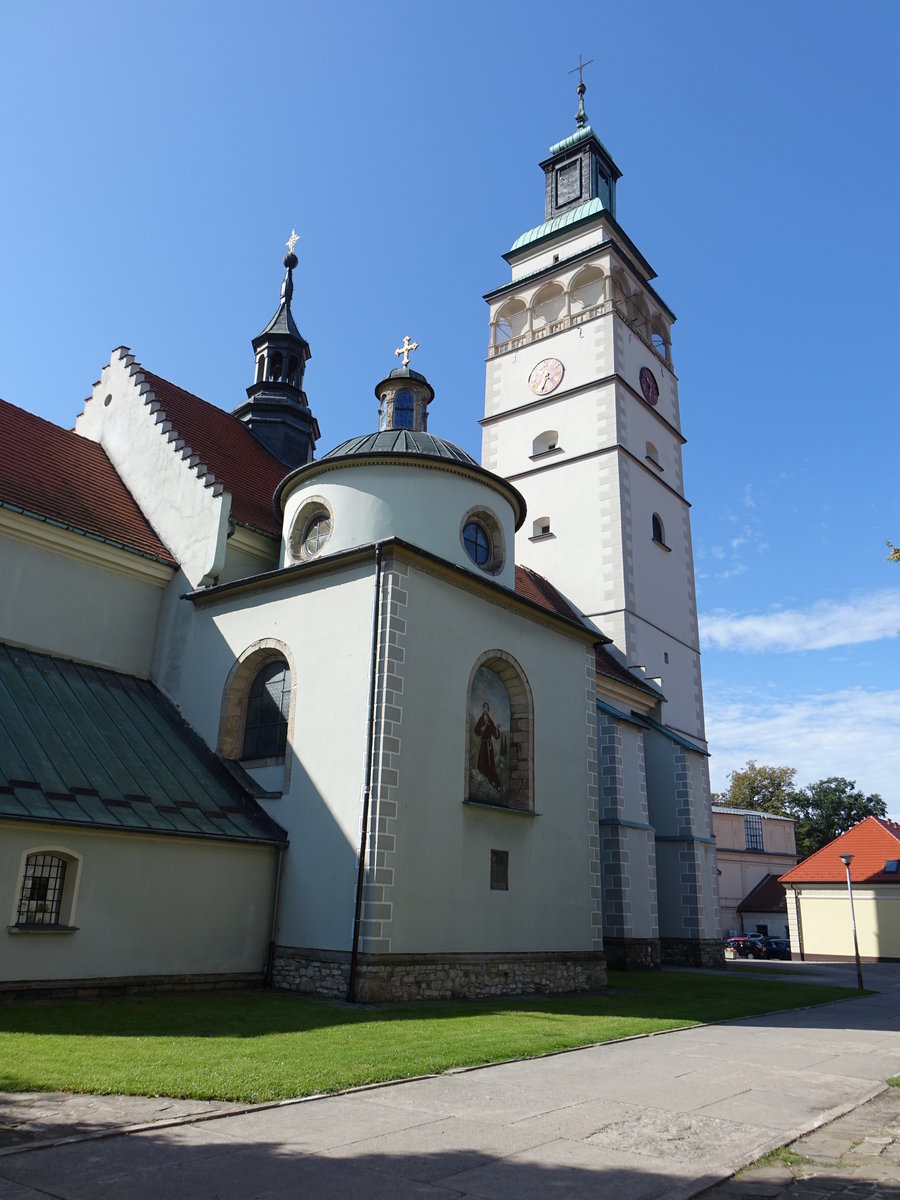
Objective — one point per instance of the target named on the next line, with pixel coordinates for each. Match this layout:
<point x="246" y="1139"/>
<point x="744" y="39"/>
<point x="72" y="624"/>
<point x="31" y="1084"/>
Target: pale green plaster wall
<point x="144" y="905"/>
<point x="110" y="617"/>
<point x="325" y="622"/>
<point x="441" y="894"/>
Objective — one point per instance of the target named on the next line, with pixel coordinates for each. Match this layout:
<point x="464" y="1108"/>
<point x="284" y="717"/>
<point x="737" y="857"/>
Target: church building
<point x="486" y="773"/>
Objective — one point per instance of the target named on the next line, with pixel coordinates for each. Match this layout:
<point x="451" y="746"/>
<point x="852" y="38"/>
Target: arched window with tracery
<point x="499" y="734"/>
<point x="268" y="708"/>
<point x="257" y="707"/>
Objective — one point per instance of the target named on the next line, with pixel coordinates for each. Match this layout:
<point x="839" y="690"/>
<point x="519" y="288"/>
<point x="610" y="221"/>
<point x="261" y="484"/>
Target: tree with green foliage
<point x="767" y="789"/>
<point x="828" y="808"/>
<point x="894" y="555"/>
<point x="822" y="810"/>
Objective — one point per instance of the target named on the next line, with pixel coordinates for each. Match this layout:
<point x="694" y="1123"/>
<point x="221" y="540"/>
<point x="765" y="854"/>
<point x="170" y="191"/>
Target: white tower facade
<point x="582" y="415"/>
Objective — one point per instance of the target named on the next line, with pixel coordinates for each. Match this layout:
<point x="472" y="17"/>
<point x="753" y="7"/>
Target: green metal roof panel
<point x="400" y="441"/>
<point x="580" y="213"/>
<point x="572" y="140"/>
<point x="81" y="745"/>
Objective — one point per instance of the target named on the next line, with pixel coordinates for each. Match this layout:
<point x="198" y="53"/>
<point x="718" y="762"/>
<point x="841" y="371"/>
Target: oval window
<point x="316" y="533"/>
<point x="476" y="542"/>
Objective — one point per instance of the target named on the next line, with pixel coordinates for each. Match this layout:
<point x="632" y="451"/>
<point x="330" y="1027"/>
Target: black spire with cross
<point x="580" y="168"/>
<point x="276" y="410"/>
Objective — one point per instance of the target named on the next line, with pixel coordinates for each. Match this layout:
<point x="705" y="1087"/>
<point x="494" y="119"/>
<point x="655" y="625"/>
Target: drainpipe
<point x="276" y="902"/>
<point x="367" y="793"/>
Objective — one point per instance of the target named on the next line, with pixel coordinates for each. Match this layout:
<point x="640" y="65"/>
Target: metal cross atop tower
<point x="581" y="115"/>
<point x="405" y="349"/>
<point x="580" y="68"/>
<point x="295" y="237"/>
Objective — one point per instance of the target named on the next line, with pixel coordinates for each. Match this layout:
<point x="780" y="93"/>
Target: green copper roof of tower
<point x="572" y="217"/>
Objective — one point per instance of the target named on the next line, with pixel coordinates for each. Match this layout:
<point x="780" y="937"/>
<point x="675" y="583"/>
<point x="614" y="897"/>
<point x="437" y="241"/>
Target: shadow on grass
<point x="680" y="998"/>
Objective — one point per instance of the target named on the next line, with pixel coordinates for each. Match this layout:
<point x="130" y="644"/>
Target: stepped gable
<point x="50" y="472"/>
<point x="874" y="842"/>
<point x="225" y="447"/>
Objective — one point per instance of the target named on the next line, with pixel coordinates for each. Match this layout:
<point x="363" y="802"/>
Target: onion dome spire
<point x="404" y="396"/>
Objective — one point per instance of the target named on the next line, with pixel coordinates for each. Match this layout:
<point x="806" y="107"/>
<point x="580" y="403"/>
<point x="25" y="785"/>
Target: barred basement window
<point x="753" y="832"/>
<point x="40" y="900"/>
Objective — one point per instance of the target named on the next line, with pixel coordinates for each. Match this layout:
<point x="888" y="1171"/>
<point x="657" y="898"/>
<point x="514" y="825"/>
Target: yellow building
<point x="819" y="903"/>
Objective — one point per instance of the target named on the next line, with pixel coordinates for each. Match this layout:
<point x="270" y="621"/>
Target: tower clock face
<point x="649" y="386"/>
<point x="546" y="376"/>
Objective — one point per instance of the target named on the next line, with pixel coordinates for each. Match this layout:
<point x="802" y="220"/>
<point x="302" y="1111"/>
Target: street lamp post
<point x="847" y="859"/>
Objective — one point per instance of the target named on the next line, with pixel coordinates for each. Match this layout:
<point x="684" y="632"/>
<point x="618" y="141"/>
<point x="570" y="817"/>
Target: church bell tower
<point x="582" y="416"/>
<point x="276" y="410"/>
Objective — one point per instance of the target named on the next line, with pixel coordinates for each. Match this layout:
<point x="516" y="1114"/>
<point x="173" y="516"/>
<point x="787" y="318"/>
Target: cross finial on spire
<point x="580" y="68"/>
<point x="292" y="241"/>
<point x="581" y="115"/>
<point x="404" y="350"/>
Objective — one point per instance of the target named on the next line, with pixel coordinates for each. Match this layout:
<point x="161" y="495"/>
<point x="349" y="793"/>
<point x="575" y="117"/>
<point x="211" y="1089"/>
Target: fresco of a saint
<point x="488" y="739"/>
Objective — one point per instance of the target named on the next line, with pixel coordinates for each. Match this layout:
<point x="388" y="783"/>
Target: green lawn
<point x="261" y="1046"/>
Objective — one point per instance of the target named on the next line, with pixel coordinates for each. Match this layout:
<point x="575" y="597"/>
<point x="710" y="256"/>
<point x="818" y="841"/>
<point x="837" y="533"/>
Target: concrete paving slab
<point x="781" y="1112"/>
<point x="322" y="1124"/>
<point x="41" y="1116"/>
<point x="112" y="1161"/>
<point x="684" y="1137"/>
<point x="573" y="1170"/>
<point x="433" y="1152"/>
<point x="252" y="1173"/>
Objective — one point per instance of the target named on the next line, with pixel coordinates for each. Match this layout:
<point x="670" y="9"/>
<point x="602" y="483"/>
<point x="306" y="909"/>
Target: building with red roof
<point x="818" y="896"/>
<point x="348" y="722"/>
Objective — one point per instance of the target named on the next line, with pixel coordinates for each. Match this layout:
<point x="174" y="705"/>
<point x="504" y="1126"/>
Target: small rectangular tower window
<point x="499" y="870"/>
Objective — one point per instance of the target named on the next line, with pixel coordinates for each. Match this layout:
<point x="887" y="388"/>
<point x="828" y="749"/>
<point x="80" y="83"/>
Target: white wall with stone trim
<point x="326" y="620"/>
<point x="441" y="897"/>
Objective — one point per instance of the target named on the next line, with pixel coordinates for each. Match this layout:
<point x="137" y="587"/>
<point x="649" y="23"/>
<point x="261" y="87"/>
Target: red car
<point x="745" y="947"/>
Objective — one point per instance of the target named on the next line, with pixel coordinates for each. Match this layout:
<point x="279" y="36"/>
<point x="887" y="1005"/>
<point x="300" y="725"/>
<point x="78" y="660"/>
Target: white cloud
<point x="853" y="732"/>
<point x="827" y="623"/>
<point x="730" y="572"/>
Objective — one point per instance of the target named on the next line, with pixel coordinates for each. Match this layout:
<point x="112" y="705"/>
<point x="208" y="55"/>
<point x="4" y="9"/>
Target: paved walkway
<point x="666" y="1116"/>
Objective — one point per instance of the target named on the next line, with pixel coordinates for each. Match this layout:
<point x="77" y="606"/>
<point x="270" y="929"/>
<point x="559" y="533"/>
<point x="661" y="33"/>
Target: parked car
<point x="743" y="947"/>
<point x="777" y="948"/>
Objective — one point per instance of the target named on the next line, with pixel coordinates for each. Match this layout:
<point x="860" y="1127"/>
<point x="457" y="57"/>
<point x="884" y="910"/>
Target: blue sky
<point x="156" y="157"/>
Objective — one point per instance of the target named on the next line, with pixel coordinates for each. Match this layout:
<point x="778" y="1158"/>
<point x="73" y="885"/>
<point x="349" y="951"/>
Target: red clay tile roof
<point x="535" y="587"/>
<point x="607" y="665"/>
<point x="538" y="589"/>
<point x="873" y="842"/>
<point x="228" y="449"/>
<point x="57" y="474"/>
<point x="767" y="896"/>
